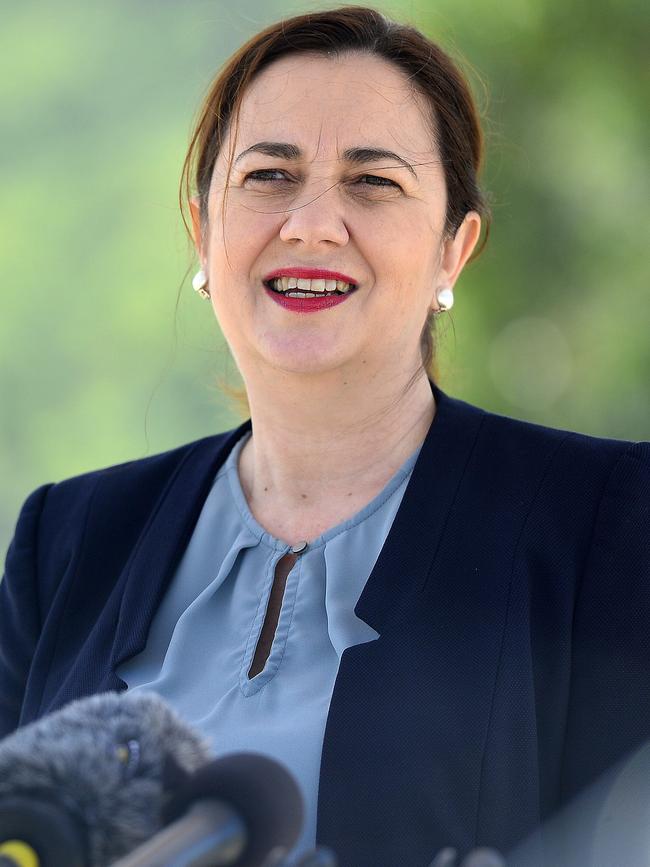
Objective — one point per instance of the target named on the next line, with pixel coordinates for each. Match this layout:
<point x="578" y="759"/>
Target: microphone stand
<point x="185" y="842"/>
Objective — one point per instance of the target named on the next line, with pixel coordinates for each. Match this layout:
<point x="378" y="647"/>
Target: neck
<point x="324" y="447"/>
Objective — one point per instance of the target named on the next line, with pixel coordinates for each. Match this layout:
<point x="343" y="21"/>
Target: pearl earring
<point x="199" y="282"/>
<point x="445" y="297"/>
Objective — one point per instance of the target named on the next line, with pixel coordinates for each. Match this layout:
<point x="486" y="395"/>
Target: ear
<point x="197" y="229"/>
<point x="457" y="250"/>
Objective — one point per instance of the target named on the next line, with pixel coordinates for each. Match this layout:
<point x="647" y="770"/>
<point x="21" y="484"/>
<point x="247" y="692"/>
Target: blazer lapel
<point x="131" y="598"/>
<point x="414" y="539"/>
<point x="407" y="723"/>
<point x="161" y="547"/>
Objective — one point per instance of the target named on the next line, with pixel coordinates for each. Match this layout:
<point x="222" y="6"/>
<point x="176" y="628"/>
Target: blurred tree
<point x="99" y="361"/>
<point x="552" y="321"/>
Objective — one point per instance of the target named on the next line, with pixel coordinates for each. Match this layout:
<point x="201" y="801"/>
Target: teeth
<point x="311" y="287"/>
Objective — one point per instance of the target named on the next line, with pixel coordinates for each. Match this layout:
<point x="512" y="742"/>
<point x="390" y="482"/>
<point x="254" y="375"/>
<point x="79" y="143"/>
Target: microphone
<point x="234" y="811"/>
<point x="87" y="783"/>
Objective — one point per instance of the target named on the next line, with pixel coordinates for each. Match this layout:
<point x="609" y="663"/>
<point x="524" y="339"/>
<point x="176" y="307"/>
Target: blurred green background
<point x="103" y="360"/>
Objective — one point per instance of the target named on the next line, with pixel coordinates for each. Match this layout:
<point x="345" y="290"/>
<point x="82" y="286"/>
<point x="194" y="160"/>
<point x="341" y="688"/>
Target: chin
<point x="305" y="356"/>
<point x="304" y="367"/>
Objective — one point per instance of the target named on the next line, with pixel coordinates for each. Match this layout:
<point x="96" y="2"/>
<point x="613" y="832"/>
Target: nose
<point x="317" y="220"/>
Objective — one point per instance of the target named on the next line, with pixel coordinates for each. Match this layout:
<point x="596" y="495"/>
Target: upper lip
<point x="309" y="274"/>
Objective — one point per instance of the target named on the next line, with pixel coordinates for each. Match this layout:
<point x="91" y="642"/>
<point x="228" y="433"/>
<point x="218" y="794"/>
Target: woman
<point x="435" y="616"/>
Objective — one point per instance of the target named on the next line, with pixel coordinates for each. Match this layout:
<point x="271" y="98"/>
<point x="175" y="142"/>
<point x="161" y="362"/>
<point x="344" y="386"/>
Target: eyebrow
<point x="284" y="150"/>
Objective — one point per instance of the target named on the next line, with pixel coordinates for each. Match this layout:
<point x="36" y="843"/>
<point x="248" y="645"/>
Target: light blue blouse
<point x="203" y="637"/>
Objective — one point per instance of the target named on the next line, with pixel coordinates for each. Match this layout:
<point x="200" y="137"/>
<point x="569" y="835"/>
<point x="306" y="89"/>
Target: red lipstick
<point x="314" y="302"/>
<point x="306" y="305"/>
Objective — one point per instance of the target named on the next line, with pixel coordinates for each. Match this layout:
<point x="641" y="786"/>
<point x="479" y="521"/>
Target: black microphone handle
<point x="210" y="834"/>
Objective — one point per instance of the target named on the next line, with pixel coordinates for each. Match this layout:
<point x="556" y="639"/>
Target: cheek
<point x="407" y="244"/>
<point x="411" y="273"/>
<point x="231" y="250"/>
<point x="243" y="236"/>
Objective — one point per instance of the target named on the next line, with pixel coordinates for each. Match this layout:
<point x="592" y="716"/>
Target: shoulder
<point x="551" y="487"/>
<point x="510" y="443"/>
<point x="160" y="465"/>
<point x="125" y="491"/>
<point x="599" y="483"/>
<point x="581" y="462"/>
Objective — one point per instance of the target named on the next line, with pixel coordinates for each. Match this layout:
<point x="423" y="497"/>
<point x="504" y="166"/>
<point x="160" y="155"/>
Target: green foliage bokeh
<point x="103" y="360"/>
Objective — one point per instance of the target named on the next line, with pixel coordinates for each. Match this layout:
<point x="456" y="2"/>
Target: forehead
<point x="326" y="104"/>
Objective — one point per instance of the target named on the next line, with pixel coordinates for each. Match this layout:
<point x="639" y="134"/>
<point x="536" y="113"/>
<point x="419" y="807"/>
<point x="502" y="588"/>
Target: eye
<point x="266" y="176"/>
<point x="376" y="181"/>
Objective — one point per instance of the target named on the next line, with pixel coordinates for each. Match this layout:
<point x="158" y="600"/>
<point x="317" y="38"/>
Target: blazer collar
<point x="420" y="520"/>
<point x="411" y="547"/>
<point x="162" y="543"/>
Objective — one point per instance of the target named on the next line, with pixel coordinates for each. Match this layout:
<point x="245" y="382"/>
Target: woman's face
<point x="310" y="189"/>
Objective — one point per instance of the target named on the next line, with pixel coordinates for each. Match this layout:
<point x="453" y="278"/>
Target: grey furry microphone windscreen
<point x="92" y="777"/>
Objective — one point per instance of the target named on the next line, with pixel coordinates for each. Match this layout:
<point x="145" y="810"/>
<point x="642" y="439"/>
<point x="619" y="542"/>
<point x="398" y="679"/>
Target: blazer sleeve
<point x="20" y="618"/>
<point x="609" y="706"/>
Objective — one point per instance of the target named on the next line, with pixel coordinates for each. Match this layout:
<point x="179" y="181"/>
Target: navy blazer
<point x="512" y="599"/>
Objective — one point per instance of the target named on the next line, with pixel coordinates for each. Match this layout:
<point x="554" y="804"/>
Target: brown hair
<point x="454" y="118"/>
